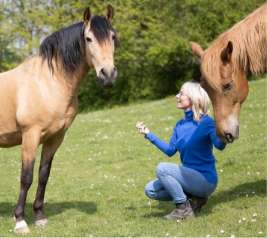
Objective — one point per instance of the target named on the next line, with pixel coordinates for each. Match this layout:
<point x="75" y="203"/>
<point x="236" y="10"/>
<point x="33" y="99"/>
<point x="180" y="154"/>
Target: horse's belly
<point x="10" y="134"/>
<point x="10" y="139"/>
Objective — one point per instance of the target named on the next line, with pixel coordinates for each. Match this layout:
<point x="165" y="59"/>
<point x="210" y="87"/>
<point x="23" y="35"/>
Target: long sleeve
<point x="168" y="149"/>
<point x="216" y="141"/>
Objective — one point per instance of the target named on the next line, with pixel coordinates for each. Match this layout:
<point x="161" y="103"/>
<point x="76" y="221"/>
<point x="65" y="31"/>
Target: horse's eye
<point x="113" y="37"/>
<point x="228" y="86"/>
<point x="88" y="39"/>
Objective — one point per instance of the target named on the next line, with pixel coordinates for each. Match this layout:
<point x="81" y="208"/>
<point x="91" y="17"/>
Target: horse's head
<point x="100" y="41"/>
<point x="225" y="84"/>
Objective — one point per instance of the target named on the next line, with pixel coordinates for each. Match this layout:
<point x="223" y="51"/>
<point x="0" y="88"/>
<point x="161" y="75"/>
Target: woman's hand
<point x="142" y="129"/>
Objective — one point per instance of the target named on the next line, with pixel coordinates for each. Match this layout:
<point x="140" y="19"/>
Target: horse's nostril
<point x="103" y="72"/>
<point x="229" y="137"/>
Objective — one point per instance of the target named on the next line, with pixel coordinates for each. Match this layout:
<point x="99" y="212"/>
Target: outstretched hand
<point x="142" y="129"/>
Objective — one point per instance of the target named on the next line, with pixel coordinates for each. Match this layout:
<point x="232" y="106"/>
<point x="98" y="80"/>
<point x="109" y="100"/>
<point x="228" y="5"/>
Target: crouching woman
<point x="189" y="184"/>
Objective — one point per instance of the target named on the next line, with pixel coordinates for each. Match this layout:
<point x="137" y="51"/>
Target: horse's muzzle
<point x="228" y="129"/>
<point x="106" y="78"/>
<point x="229" y="137"/>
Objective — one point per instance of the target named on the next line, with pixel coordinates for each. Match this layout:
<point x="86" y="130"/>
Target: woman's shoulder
<point x="207" y="119"/>
<point x="180" y="122"/>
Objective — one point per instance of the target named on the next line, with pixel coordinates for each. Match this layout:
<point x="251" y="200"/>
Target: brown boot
<point x="182" y="211"/>
<point x="197" y="203"/>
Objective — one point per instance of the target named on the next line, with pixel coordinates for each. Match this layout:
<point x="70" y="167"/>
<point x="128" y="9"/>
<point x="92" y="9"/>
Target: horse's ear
<point x="87" y="15"/>
<point x="110" y="13"/>
<point x="197" y="49"/>
<point x="226" y="53"/>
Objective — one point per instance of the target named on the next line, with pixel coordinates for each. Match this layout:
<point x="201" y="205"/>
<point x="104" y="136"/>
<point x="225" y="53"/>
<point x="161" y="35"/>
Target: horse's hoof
<point x="41" y="222"/>
<point x="21" y="228"/>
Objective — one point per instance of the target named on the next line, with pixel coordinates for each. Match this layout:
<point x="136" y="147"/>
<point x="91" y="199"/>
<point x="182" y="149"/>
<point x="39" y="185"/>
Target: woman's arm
<point x="168" y="149"/>
<point x="216" y="141"/>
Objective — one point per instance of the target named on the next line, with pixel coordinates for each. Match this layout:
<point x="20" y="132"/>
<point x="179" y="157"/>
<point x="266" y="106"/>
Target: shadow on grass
<point x="163" y="206"/>
<point x="248" y="190"/>
<point x="256" y="188"/>
<point x="50" y="209"/>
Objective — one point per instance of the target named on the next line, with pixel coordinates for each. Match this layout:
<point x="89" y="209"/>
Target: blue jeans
<point x="174" y="181"/>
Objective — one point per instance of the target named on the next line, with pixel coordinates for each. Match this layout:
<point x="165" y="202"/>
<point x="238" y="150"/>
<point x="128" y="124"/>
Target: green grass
<point x="98" y="177"/>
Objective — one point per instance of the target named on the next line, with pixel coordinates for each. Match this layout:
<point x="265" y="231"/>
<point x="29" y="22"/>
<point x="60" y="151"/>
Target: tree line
<point x="154" y="56"/>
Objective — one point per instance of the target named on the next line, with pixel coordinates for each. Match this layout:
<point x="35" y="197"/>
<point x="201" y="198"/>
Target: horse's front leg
<point x="48" y="151"/>
<point x="30" y="142"/>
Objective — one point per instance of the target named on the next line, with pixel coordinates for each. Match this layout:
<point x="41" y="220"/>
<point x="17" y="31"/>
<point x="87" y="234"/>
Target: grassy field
<point x="98" y="177"/>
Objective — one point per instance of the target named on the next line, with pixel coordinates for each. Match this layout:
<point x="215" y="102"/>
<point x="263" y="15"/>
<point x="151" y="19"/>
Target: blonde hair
<point x="199" y="98"/>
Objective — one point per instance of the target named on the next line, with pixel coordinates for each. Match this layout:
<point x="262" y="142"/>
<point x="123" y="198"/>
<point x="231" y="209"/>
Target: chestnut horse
<point x="38" y="99"/>
<point x="225" y="65"/>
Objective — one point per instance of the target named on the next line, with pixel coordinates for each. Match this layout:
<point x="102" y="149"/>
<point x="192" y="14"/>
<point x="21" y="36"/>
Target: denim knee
<point x="161" y="169"/>
<point x="149" y="192"/>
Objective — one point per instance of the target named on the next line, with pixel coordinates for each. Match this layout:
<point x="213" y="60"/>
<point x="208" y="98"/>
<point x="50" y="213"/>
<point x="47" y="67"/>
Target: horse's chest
<point x="62" y="121"/>
<point x="54" y="127"/>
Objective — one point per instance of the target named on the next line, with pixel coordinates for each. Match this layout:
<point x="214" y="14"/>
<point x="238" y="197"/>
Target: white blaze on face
<point x="231" y="125"/>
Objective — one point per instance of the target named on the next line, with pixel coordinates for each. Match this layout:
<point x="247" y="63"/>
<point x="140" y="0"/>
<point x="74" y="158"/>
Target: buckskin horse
<point x="38" y="99"/>
<point x="225" y="65"/>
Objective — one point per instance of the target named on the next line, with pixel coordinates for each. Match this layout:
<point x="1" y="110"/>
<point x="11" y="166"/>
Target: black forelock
<point x="100" y="27"/>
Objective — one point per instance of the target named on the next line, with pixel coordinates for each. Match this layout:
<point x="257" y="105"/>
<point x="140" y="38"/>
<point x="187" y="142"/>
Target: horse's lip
<point x="229" y="141"/>
<point x="107" y="83"/>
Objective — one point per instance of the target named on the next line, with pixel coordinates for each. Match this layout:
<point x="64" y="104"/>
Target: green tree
<point x="154" y="57"/>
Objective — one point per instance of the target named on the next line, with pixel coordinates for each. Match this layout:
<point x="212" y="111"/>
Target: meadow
<point x="96" y="185"/>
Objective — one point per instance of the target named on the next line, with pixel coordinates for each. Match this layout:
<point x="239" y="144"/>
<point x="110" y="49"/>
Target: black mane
<point x="68" y="44"/>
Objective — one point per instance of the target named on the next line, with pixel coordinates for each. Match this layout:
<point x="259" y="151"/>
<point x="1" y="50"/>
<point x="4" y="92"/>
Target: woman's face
<point x="183" y="101"/>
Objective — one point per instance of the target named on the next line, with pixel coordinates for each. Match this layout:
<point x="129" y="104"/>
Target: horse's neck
<point x="254" y="46"/>
<point x="257" y="58"/>
<point x="73" y="80"/>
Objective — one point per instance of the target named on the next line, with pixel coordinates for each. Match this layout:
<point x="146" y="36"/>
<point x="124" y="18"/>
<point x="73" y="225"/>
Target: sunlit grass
<point x="98" y="177"/>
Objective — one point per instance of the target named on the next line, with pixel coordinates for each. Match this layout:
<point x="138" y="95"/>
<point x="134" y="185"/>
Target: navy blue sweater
<point x="194" y="140"/>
